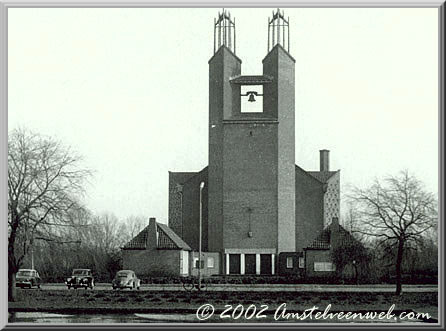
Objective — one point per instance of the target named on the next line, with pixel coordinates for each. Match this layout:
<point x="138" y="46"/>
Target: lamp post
<point x="32" y="258"/>
<point x="355" y="271"/>
<point x="199" y="239"/>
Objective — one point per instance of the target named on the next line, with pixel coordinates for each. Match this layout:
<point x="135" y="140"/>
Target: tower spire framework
<point x="224" y="31"/>
<point x="279" y="30"/>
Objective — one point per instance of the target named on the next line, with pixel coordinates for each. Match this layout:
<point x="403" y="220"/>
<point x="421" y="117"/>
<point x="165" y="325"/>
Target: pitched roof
<point x="307" y="173"/>
<point x="323" y="240"/>
<point x="322" y="176"/>
<point x="167" y="239"/>
<point x="139" y="241"/>
<point x="176" y="240"/>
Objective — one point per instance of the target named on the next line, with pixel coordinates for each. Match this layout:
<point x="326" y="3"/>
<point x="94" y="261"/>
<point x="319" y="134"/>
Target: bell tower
<point x="279" y="98"/>
<point x="251" y="193"/>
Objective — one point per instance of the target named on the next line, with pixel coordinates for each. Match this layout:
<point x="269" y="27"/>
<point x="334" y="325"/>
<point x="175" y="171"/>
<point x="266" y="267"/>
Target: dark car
<point x="80" y="278"/>
<point x="126" y="279"/>
<point x="27" y="278"/>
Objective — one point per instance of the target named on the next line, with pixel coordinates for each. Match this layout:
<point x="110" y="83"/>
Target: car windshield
<point x="24" y="273"/>
<point x="80" y="272"/>
<point x="122" y="274"/>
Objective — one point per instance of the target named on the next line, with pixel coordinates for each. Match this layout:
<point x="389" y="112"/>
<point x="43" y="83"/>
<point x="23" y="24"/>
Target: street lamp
<point x="199" y="239"/>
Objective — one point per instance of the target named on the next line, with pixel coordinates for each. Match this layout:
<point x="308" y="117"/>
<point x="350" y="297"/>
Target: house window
<point x="289" y="262"/>
<point x="196" y="263"/>
<point x="210" y="262"/>
<point x="301" y="262"/>
<point x="324" y="266"/>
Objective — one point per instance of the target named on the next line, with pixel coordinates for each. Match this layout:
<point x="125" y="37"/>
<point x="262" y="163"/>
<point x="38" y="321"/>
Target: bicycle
<point x="191" y="284"/>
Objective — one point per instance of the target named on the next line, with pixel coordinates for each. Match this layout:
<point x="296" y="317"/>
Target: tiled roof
<point x="323" y="241"/>
<point x="322" y="176"/>
<point x="140" y="241"/>
<point x="167" y="239"/>
<point x="251" y="80"/>
<point x="176" y="240"/>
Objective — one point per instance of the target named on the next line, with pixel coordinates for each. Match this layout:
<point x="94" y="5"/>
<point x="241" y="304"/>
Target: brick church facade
<point x="257" y="204"/>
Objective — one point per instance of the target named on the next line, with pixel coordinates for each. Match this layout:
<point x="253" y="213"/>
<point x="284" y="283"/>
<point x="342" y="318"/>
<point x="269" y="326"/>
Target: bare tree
<point x="44" y="183"/>
<point x="132" y="226"/>
<point x="398" y="212"/>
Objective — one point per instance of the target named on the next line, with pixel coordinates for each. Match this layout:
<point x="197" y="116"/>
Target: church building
<point x="256" y="203"/>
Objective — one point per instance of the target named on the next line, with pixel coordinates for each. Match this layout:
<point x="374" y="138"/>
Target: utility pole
<point x="199" y="239"/>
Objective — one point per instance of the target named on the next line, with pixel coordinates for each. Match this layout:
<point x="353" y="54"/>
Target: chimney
<point x="335" y="221"/>
<point x="152" y="236"/>
<point x="324" y="160"/>
<point x="334" y="233"/>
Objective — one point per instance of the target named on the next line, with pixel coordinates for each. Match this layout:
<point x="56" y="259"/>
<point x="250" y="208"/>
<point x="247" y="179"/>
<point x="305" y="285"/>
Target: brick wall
<point x="279" y="97"/>
<point x="176" y="181"/>
<point x="250" y="185"/>
<point x="207" y="270"/>
<point x="152" y="262"/>
<point x="312" y="256"/>
<point x="222" y="66"/>
<point x="191" y="210"/>
<point x="309" y="208"/>
<point x="295" y="270"/>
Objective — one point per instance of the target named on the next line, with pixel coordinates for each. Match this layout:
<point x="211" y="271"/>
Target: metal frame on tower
<point x="277" y="23"/>
<point x="224" y="31"/>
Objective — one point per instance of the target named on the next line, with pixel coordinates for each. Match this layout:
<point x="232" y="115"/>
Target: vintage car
<point x="126" y="279"/>
<point x="27" y="278"/>
<point x="80" y="278"/>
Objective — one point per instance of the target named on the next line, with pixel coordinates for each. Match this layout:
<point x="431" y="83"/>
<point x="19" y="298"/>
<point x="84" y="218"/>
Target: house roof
<point x="307" y="173"/>
<point x="322" y="176"/>
<point x="176" y="240"/>
<point x="167" y="239"/>
<point x="323" y="240"/>
<point x="139" y="241"/>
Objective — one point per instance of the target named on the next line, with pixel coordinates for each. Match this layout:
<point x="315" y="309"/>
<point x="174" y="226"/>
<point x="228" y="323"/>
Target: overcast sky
<point x="128" y="89"/>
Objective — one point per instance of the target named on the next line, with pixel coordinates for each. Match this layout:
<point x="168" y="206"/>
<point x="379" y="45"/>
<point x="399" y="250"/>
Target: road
<point x="265" y="287"/>
<point x="51" y="318"/>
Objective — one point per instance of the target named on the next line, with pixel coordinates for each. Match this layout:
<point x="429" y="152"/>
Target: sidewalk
<point x="272" y="287"/>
